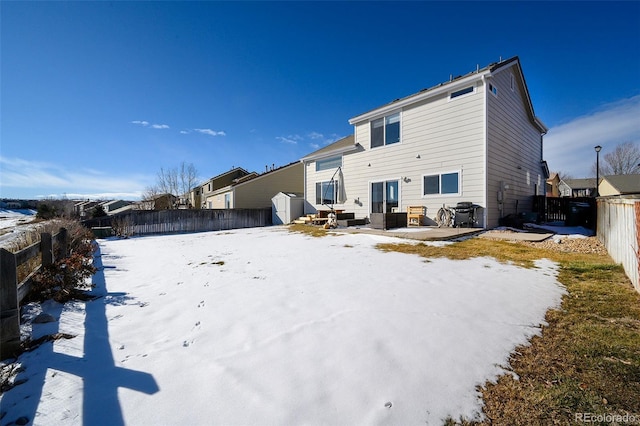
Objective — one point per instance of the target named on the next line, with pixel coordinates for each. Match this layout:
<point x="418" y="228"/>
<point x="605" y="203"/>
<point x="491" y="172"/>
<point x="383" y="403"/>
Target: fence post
<point x="46" y="247"/>
<point x="9" y="312"/>
<point x="63" y="241"/>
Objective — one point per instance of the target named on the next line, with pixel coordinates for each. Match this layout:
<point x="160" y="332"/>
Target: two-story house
<point x="254" y="191"/>
<point x="201" y="195"/>
<point x="472" y="139"/>
<point x="577" y="187"/>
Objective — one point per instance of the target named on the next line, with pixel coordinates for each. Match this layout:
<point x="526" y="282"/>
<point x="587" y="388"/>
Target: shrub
<point x="122" y="226"/>
<point x="98" y="211"/>
<point x="46" y="212"/>
<point x="65" y="279"/>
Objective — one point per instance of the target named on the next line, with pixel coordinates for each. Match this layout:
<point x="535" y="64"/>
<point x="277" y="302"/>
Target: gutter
<point x="399" y="104"/>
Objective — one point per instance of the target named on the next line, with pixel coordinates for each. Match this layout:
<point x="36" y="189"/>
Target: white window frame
<point x="384" y="126"/>
<point x="440" y="194"/>
<point x="326" y="159"/>
<point x="385" y="181"/>
<point x="335" y="192"/>
<point x="493" y="89"/>
<point x="464" y="95"/>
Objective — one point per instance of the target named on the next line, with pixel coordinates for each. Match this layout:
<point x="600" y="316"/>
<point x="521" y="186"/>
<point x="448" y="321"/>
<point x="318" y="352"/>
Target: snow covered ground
<point x="565" y="231"/>
<point x="266" y="327"/>
<point x="11" y="218"/>
<point x="14" y="224"/>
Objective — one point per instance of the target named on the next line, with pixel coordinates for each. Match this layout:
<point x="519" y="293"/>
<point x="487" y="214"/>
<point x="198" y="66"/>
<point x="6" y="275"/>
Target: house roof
<point x="625" y="184"/>
<point x="253" y="176"/>
<point x="338" y="147"/>
<point x="580" y="183"/>
<point x="453" y="84"/>
<point x="221" y="175"/>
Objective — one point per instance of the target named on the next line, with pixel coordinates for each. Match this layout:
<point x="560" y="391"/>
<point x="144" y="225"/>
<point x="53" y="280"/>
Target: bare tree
<point x="150" y="193"/>
<point x="175" y="181"/>
<point x="188" y="178"/>
<point x="167" y="181"/>
<point x="623" y="160"/>
<point x="563" y="175"/>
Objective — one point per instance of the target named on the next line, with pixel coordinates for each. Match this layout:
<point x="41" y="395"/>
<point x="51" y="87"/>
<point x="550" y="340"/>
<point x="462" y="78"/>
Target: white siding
<point x="446" y="134"/>
<point x="514" y="149"/>
<point x="490" y="140"/>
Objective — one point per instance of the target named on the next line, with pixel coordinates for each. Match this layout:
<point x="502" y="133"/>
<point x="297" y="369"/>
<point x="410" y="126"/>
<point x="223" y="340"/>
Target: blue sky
<point x="96" y="97"/>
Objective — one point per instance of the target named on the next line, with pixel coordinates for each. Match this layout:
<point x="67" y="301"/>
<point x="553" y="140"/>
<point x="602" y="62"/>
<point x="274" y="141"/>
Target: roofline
<point x="516" y="61"/>
<point x="452" y="85"/>
<point x="420" y="96"/>
<point x="233" y="184"/>
<point x="223" y="174"/>
<point x="330" y="153"/>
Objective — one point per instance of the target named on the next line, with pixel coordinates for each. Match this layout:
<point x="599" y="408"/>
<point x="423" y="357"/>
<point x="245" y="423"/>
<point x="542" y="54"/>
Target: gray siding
<point x="514" y="149"/>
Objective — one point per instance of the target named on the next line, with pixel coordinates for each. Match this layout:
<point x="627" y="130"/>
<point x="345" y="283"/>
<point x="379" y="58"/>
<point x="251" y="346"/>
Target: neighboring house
<point x="256" y="190"/>
<point x="619" y="185"/>
<point x="577" y="187"/>
<point x="84" y="209"/>
<point x="114" y="205"/>
<point x="472" y="139"/>
<point x="552" y="185"/>
<point x="122" y="209"/>
<point x="159" y="202"/>
<point x="199" y="195"/>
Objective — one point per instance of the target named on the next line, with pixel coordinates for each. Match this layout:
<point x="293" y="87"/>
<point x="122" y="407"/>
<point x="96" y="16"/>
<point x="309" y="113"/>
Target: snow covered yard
<point x="263" y="326"/>
<point x="11" y="218"/>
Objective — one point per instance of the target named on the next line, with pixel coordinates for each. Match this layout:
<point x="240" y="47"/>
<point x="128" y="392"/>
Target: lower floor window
<point x="441" y="184"/>
<point x="326" y="192"/>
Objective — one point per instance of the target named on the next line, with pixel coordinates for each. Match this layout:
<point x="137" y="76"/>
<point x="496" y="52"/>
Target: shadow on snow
<point x="101" y="377"/>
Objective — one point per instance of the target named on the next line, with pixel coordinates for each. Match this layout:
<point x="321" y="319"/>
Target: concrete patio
<point x="433" y="233"/>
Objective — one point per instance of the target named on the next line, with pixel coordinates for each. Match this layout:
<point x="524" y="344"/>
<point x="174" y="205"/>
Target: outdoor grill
<point x="465" y="214"/>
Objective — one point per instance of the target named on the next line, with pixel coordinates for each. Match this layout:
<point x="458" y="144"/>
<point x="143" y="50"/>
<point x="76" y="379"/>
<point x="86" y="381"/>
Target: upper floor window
<point x="385" y="130"/>
<point x="493" y="89"/>
<point x="461" y="92"/>
<point x="329" y="163"/>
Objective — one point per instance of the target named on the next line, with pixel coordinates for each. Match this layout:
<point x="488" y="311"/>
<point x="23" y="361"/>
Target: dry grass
<point x="587" y="359"/>
<point x="312" y="230"/>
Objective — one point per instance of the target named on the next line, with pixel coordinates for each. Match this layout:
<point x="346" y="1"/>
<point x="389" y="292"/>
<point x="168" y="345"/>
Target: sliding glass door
<point x="384" y="196"/>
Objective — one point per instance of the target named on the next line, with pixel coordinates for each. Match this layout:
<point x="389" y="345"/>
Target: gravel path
<point x="565" y="243"/>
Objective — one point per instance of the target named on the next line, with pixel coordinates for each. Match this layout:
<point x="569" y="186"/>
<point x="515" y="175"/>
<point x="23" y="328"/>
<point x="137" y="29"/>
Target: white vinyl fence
<point x="619" y="230"/>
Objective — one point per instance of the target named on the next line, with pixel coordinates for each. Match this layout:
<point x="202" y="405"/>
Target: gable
<point x="624" y="184"/>
<point x="457" y="84"/>
<point x="338" y="147"/>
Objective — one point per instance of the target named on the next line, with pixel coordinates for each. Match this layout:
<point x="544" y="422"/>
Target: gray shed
<point x="286" y="207"/>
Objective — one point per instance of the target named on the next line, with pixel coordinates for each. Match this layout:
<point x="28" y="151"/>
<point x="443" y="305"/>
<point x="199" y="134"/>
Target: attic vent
<point x="461" y="92"/>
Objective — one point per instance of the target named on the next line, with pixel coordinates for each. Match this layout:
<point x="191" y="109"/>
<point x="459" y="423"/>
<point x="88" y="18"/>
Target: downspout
<point x="304" y="193"/>
<point x="486" y="149"/>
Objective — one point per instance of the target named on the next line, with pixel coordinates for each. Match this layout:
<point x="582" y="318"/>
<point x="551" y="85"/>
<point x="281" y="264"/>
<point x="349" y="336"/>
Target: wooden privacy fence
<point x="12" y="291"/>
<point x="578" y="211"/>
<point x="142" y="222"/>
<point x="619" y="231"/>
